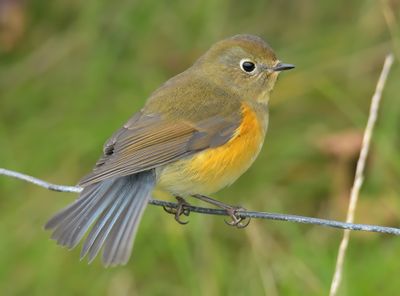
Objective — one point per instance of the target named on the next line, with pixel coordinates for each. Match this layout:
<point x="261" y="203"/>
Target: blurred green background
<point x="72" y="72"/>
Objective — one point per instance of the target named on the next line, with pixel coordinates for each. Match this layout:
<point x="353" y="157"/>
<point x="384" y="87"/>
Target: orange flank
<point x="215" y="168"/>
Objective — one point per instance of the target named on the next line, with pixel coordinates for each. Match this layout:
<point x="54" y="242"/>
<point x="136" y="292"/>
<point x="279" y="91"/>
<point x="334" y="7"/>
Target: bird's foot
<point x="236" y="220"/>
<point x="179" y="210"/>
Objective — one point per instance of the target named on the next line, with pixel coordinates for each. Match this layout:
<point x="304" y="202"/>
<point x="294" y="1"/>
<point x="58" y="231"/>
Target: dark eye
<point x="247" y="66"/>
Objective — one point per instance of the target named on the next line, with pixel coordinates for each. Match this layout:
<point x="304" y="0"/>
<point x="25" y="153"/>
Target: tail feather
<point x="85" y="219"/>
<point x="120" y="244"/>
<point x="71" y="227"/>
<point x="103" y="235"/>
<point x="67" y="211"/>
<point x="108" y="221"/>
<point x="101" y="229"/>
<point x="115" y="207"/>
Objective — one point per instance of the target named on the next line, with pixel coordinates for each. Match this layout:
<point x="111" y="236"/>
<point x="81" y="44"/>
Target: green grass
<point x="83" y="67"/>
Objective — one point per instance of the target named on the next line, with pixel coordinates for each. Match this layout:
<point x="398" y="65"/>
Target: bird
<point x="196" y="134"/>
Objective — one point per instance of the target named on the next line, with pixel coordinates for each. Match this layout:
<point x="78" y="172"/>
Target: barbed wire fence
<point x="221" y="212"/>
<point x="347" y="226"/>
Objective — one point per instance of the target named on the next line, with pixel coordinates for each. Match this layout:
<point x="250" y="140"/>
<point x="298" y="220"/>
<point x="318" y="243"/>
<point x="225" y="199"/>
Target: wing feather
<point x="148" y="141"/>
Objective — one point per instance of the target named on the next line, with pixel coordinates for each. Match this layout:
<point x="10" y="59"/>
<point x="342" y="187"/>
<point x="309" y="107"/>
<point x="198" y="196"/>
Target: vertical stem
<point x="359" y="176"/>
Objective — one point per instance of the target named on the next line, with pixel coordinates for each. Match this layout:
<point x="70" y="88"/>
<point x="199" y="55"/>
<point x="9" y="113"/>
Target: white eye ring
<point x="248" y="66"/>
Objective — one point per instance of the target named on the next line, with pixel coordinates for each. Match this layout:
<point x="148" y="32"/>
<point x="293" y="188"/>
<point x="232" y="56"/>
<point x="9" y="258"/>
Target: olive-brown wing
<point x="149" y="141"/>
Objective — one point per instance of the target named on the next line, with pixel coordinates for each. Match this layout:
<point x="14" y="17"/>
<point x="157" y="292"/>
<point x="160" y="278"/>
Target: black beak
<point x="282" y="67"/>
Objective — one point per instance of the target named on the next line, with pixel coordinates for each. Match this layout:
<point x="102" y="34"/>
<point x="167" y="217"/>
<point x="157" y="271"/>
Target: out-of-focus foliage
<point x="71" y="72"/>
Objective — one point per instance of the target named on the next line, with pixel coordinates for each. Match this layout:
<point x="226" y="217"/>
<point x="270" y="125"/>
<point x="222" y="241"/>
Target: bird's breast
<point x="214" y="168"/>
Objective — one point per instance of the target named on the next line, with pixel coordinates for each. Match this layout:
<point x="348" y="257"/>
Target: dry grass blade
<point x="358" y="180"/>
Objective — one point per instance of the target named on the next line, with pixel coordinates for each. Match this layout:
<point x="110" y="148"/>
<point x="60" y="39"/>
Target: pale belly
<point x="210" y="170"/>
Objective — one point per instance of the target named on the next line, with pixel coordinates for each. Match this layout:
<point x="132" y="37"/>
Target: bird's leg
<point x="181" y="208"/>
<point x="237" y="221"/>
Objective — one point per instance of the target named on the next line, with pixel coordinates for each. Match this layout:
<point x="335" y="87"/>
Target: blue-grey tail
<point x="114" y="207"/>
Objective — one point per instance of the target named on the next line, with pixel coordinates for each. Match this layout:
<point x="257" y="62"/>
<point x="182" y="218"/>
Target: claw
<point x="237" y="221"/>
<point x="169" y="210"/>
<point x="231" y="210"/>
<point x="181" y="209"/>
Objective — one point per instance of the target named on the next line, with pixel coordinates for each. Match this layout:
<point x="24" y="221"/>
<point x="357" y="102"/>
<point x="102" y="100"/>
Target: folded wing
<point x="148" y="141"/>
